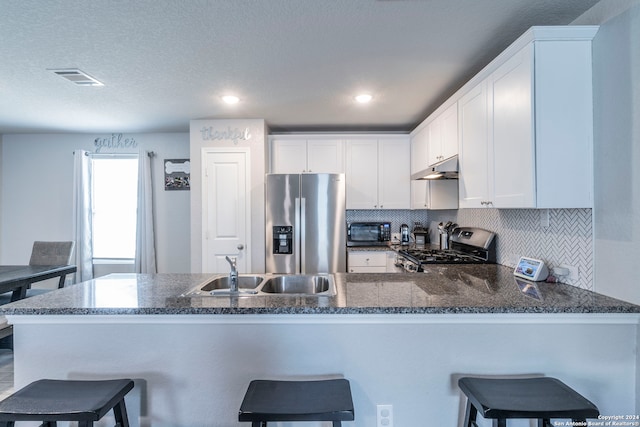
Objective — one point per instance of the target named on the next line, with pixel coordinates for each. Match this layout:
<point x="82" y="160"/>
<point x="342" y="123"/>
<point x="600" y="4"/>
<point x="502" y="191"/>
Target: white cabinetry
<point x="434" y="195"/>
<point x="434" y="141"/>
<point x="443" y="135"/>
<point x="297" y="155"/>
<point x="419" y="149"/>
<point x="371" y="262"/>
<point x="526" y="129"/>
<point x="474" y="150"/>
<point x="377" y="174"/>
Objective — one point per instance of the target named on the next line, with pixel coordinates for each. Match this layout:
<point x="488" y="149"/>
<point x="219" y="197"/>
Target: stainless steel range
<point x="468" y="245"/>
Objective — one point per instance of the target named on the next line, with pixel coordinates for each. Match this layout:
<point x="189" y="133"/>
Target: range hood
<point x="446" y="169"/>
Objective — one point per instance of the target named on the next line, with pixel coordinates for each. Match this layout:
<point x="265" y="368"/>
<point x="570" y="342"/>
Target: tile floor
<point x="6" y="373"/>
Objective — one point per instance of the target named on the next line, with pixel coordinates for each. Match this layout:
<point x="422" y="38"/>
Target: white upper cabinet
<point x="394" y="175"/>
<point x="526" y="128"/>
<point x="443" y="135"/>
<point x="434" y="195"/>
<point x="377" y="174"/>
<point x="325" y="156"/>
<point x="313" y="155"/>
<point x="361" y="171"/>
<point x="473" y="159"/>
<point x="513" y="143"/>
<point x="419" y="150"/>
<point x="288" y="155"/>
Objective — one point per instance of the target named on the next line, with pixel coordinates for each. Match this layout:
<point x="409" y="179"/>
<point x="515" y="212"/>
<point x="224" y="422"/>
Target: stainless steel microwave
<point x="368" y="233"/>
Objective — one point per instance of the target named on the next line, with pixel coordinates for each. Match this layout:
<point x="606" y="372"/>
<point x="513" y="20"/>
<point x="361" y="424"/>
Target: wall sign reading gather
<point x="235" y="134"/>
<point x="115" y="141"/>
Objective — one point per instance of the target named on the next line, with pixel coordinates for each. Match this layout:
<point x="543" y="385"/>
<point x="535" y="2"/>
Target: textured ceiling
<point x="295" y="63"/>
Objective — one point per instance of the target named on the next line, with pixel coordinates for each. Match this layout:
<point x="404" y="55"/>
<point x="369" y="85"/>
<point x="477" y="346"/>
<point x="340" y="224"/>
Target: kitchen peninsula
<point x="401" y="339"/>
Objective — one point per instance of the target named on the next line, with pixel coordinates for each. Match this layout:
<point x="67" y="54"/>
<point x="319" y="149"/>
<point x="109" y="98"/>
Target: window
<point x="115" y="188"/>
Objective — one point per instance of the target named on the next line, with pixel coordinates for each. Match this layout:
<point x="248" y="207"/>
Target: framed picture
<point x="177" y="173"/>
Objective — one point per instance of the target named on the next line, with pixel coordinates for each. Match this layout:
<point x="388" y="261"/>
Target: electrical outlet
<point x="544" y="217"/>
<point x="574" y="273"/>
<point x="385" y="416"/>
<point x="395" y="237"/>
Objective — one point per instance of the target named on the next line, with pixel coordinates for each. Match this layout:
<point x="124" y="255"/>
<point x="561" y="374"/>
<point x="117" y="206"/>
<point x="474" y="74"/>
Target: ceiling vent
<point x="78" y="77"/>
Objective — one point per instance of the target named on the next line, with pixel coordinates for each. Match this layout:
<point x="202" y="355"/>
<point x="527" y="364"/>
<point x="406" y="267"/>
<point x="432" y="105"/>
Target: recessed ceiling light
<point x="363" y="98"/>
<point x="230" y="99"/>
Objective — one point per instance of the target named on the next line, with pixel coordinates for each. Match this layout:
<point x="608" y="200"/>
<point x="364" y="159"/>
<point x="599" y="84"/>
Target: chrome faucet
<point x="233" y="274"/>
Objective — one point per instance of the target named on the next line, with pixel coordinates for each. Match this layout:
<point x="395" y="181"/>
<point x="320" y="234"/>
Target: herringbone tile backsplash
<point x="520" y="232"/>
<point x="566" y="240"/>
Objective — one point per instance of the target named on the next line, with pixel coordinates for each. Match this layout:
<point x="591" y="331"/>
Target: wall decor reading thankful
<point x="114" y="142"/>
<point x="176" y="174"/>
<point x="233" y="134"/>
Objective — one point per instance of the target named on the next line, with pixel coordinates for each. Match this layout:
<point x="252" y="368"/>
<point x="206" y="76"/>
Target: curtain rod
<point x="89" y="153"/>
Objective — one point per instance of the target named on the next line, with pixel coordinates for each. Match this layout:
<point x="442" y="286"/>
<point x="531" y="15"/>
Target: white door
<point x="226" y="216"/>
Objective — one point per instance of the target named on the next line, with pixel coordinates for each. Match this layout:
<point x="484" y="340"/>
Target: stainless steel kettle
<point x="404" y="234"/>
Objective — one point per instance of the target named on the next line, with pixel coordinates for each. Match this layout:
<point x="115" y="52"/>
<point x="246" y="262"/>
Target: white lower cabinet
<point x="371" y="262"/>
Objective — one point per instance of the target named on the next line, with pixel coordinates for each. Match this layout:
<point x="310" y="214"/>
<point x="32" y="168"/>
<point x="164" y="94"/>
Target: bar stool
<point x="320" y="400"/>
<point x="49" y="401"/>
<point x="540" y="398"/>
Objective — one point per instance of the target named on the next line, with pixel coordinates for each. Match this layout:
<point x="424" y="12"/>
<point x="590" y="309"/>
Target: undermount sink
<point x="244" y="282"/>
<point x="268" y="285"/>
<point x="299" y="284"/>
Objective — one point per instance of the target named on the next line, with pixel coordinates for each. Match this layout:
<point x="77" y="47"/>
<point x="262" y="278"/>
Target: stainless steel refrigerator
<point x="306" y="226"/>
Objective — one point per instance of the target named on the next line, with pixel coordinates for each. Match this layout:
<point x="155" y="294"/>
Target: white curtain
<point x="82" y="215"/>
<point x="145" y="238"/>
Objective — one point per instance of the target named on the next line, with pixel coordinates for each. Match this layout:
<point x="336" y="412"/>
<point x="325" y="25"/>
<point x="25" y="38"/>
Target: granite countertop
<point x="442" y="289"/>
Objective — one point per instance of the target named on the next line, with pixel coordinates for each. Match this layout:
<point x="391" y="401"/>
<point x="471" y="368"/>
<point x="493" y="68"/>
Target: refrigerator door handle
<point x="303" y="237"/>
<point x="296" y="235"/>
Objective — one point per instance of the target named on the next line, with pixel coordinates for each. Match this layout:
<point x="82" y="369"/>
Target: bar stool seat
<point x="541" y="398"/>
<point x="319" y="400"/>
<point x="49" y="401"/>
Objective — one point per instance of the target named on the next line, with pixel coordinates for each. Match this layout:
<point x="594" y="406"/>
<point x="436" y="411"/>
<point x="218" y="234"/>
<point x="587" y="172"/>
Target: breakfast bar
<point x="400" y="339"/>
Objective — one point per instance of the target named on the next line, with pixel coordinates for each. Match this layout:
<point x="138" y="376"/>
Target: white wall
<point x="0" y="195"/>
<point x="616" y="73"/>
<point x="36" y="178"/>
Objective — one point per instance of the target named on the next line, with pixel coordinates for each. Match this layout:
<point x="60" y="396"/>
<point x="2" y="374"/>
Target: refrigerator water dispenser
<point x="282" y="239"/>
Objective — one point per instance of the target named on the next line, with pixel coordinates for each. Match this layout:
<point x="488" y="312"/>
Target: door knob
<point x="240" y="246"/>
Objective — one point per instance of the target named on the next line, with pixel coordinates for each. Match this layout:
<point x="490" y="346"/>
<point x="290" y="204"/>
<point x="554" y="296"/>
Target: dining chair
<point x="51" y="253"/>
